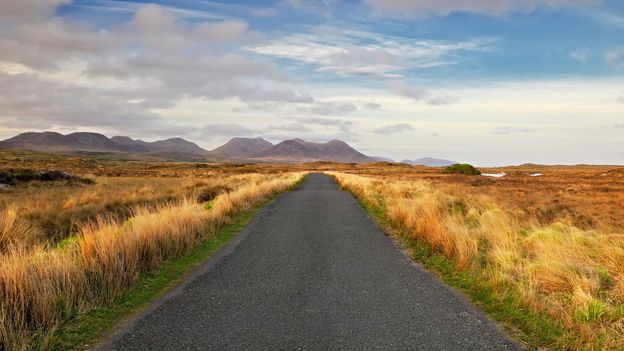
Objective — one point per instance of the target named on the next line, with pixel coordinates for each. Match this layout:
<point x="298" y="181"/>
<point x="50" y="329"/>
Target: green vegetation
<point x="462" y="168"/>
<point x="532" y="330"/>
<point x="81" y="332"/>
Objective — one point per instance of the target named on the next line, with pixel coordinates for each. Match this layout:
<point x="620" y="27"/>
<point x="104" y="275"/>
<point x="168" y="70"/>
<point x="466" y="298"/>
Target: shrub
<point x="462" y="168"/>
<point x="18" y="176"/>
<point x="208" y="193"/>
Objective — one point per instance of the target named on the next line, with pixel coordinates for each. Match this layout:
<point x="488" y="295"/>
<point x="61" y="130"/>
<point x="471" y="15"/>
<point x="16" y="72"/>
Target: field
<point x="67" y="247"/>
<point x="547" y="250"/>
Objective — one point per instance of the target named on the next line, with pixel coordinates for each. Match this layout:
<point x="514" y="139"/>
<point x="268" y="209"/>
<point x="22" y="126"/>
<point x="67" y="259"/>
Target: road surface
<point x="311" y="272"/>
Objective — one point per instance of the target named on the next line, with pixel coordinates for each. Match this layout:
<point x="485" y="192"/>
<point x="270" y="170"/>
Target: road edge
<point x="108" y="341"/>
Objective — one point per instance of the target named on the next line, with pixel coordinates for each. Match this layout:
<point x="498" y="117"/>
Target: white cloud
<point x="442" y="100"/>
<point x="342" y="124"/>
<point x="406" y="90"/>
<point x="151" y="62"/>
<point x="581" y="55"/>
<point x="620" y="99"/>
<point x="329" y="108"/>
<point x="25" y="99"/>
<point x="290" y="127"/>
<point x="393" y="128"/>
<point x="615" y="58"/>
<point x="225" y="129"/>
<point x="360" y="53"/>
<point x="417" y="8"/>
<point x="420" y="94"/>
<point x="372" y="105"/>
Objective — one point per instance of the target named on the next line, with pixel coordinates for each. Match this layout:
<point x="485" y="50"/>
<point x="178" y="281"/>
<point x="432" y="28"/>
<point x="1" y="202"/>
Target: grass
<point x="542" y="254"/>
<point x="42" y="288"/>
<point x="81" y="332"/>
<point x="530" y="329"/>
<point x="559" y="285"/>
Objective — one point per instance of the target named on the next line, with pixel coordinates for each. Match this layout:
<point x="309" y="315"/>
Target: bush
<point x="462" y="168"/>
<point x="208" y="193"/>
<point x="18" y="176"/>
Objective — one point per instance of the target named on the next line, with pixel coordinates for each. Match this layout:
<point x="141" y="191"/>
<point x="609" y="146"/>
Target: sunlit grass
<point x="574" y="276"/>
<point x="41" y="287"/>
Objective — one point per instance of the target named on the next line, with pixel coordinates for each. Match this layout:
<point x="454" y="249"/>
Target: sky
<point x="489" y="82"/>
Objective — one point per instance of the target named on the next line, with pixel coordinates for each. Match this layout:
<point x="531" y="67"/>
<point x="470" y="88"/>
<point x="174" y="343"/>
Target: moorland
<point x="541" y="248"/>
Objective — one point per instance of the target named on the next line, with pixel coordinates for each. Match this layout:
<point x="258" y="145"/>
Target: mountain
<point x="178" y="145"/>
<point x="55" y="142"/>
<point x="242" y="148"/>
<point x="430" y="162"/>
<point x="298" y="150"/>
<point x="235" y="150"/>
<point x="94" y="142"/>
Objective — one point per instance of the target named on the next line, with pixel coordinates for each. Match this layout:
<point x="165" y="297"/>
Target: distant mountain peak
<point x="242" y="148"/>
<point x="299" y="150"/>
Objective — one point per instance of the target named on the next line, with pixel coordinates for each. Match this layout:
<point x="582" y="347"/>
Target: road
<point x="311" y="272"/>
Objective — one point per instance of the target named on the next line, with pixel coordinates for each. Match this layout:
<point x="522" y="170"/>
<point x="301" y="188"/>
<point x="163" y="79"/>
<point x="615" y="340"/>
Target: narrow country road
<point x="311" y="272"/>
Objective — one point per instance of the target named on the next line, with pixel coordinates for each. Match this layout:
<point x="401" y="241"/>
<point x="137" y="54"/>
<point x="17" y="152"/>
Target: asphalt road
<point x="311" y="272"/>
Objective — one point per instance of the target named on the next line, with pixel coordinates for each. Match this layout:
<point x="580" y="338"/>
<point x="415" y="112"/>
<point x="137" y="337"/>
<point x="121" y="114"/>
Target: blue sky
<point x="492" y="82"/>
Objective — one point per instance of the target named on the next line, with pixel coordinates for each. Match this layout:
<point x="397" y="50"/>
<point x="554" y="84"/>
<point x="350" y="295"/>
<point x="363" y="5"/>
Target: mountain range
<point x="93" y="142"/>
<point x="236" y="150"/>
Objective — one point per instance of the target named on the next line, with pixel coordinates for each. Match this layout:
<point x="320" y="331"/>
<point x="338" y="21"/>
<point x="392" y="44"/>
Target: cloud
<point x="615" y="58"/>
<point x="225" y="129"/>
<point x="26" y="99"/>
<point x="420" y="94"/>
<point x="408" y="91"/>
<point x="329" y="108"/>
<point x="320" y="8"/>
<point x="290" y="127"/>
<point x="343" y="125"/>
<point x="347" y="52"/>
<point x="620" y="99"/>
<point x="442" y="100"/>
<point x="264" y="12"/>
<point x="114" y="78"/>
<point x="581" y="55"/>
<point x="510" y="130"/>
<point x="607" y="18"/>
<point x="372" y="106"/>
<point x="393" y="128"/>
<point x="29" y="10"/>
<point x="418" y="8"/>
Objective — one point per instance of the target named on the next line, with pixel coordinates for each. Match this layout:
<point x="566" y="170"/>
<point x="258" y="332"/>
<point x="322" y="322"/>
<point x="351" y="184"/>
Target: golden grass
<point x="42" y="287"/>
<point x="573" y="275"/>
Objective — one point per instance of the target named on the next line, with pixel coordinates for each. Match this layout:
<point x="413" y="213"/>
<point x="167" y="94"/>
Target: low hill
<point x="430" y="162"/>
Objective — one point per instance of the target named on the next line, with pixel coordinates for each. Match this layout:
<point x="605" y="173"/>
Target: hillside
<point x="242" y="148"/>
<point x="298" y="150"/>
<point x="235" y="150"/>
<point x="430" y="162"/>
<point x="95" y="142"/>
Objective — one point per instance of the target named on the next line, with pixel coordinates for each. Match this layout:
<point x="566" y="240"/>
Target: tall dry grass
<point x="47" y="214"/>
<point x="42" y="287"/>
<point x="573" y="275"/>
